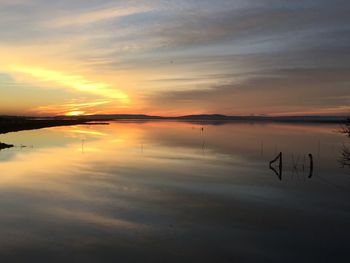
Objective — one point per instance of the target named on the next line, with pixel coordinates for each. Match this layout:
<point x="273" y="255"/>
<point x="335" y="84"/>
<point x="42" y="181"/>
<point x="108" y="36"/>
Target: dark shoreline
<point x="20" y="124"/>
<point x="220" y="119"/>
<point x="15" y="124"/>
<point x="5" y="146"/>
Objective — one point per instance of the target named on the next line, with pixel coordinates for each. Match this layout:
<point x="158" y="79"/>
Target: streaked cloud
<point x="71" y="108"/>
<point x="98" y="15"/>
<point x="75" y="82"/>
<point x="297" y="91"/>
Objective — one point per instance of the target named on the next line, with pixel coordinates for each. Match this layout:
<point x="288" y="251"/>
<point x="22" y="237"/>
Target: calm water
<point x="174" y="192"/>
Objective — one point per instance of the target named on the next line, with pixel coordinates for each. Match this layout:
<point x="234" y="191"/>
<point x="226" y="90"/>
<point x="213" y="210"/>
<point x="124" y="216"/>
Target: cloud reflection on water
<point x="152" y="189"/>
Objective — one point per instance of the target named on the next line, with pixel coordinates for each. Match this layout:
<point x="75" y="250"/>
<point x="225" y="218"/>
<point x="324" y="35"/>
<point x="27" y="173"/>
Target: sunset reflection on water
<point x="172" y="190"/>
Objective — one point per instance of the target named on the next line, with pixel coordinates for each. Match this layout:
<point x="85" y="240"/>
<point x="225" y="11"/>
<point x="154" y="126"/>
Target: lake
<point x="175" y="192"/>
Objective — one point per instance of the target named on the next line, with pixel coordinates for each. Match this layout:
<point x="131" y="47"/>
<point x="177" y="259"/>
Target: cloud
<point x="75" y="82"/>
<point x="93" y="16"/>
<point x="71" y="108"/>
<point x="297" y="90"/>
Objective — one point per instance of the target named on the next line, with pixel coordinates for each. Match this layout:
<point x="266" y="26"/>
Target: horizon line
<point x="179" y="116"/>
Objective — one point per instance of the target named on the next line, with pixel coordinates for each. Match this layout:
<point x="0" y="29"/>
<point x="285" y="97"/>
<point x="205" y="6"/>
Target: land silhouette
<point x="15" y="123"/>
<point x="219" y="118"/>
<point x="5" y="146"/>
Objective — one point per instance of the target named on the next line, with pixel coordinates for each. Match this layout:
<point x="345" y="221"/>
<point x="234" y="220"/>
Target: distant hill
<point x="190" y="118"/>
<point x="214" y="118"/>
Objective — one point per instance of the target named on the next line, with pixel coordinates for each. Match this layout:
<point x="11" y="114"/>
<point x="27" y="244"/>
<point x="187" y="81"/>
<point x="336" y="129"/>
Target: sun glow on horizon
<point x="75" y="113"/>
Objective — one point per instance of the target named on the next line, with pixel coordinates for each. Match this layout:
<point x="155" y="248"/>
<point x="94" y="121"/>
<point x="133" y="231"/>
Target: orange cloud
<point x="70" y="109"/>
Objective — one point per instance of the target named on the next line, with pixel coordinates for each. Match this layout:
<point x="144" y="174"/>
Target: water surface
<point x="174" y="192"/>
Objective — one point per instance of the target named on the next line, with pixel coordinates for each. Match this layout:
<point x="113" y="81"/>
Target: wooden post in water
<point x="280" y="165"/>
<point x="311" y="171"/>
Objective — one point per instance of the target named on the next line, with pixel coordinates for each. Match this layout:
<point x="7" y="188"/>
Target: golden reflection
<point x="94" y="218"/>
<point x="88" y="132"/>
<point x="141" y="145"/>
<point x="82" y="148"/>
<point x="104" y="164"/>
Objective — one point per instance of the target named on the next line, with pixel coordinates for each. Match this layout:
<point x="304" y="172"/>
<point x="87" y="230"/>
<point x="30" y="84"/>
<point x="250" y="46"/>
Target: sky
<point x="234" y="57"/>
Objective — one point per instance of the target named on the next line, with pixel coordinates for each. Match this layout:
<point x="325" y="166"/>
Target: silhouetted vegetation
<point x="346" y="127"/>
<point x="345" y="151"/>
<point x="345" y="156"/>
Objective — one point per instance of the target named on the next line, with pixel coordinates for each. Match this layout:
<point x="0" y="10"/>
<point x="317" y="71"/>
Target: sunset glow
<point x="174" y="131"/>
<point x="75" y="82"/>
<point x="190" y="57"/>
<point x="75" y="113"/>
